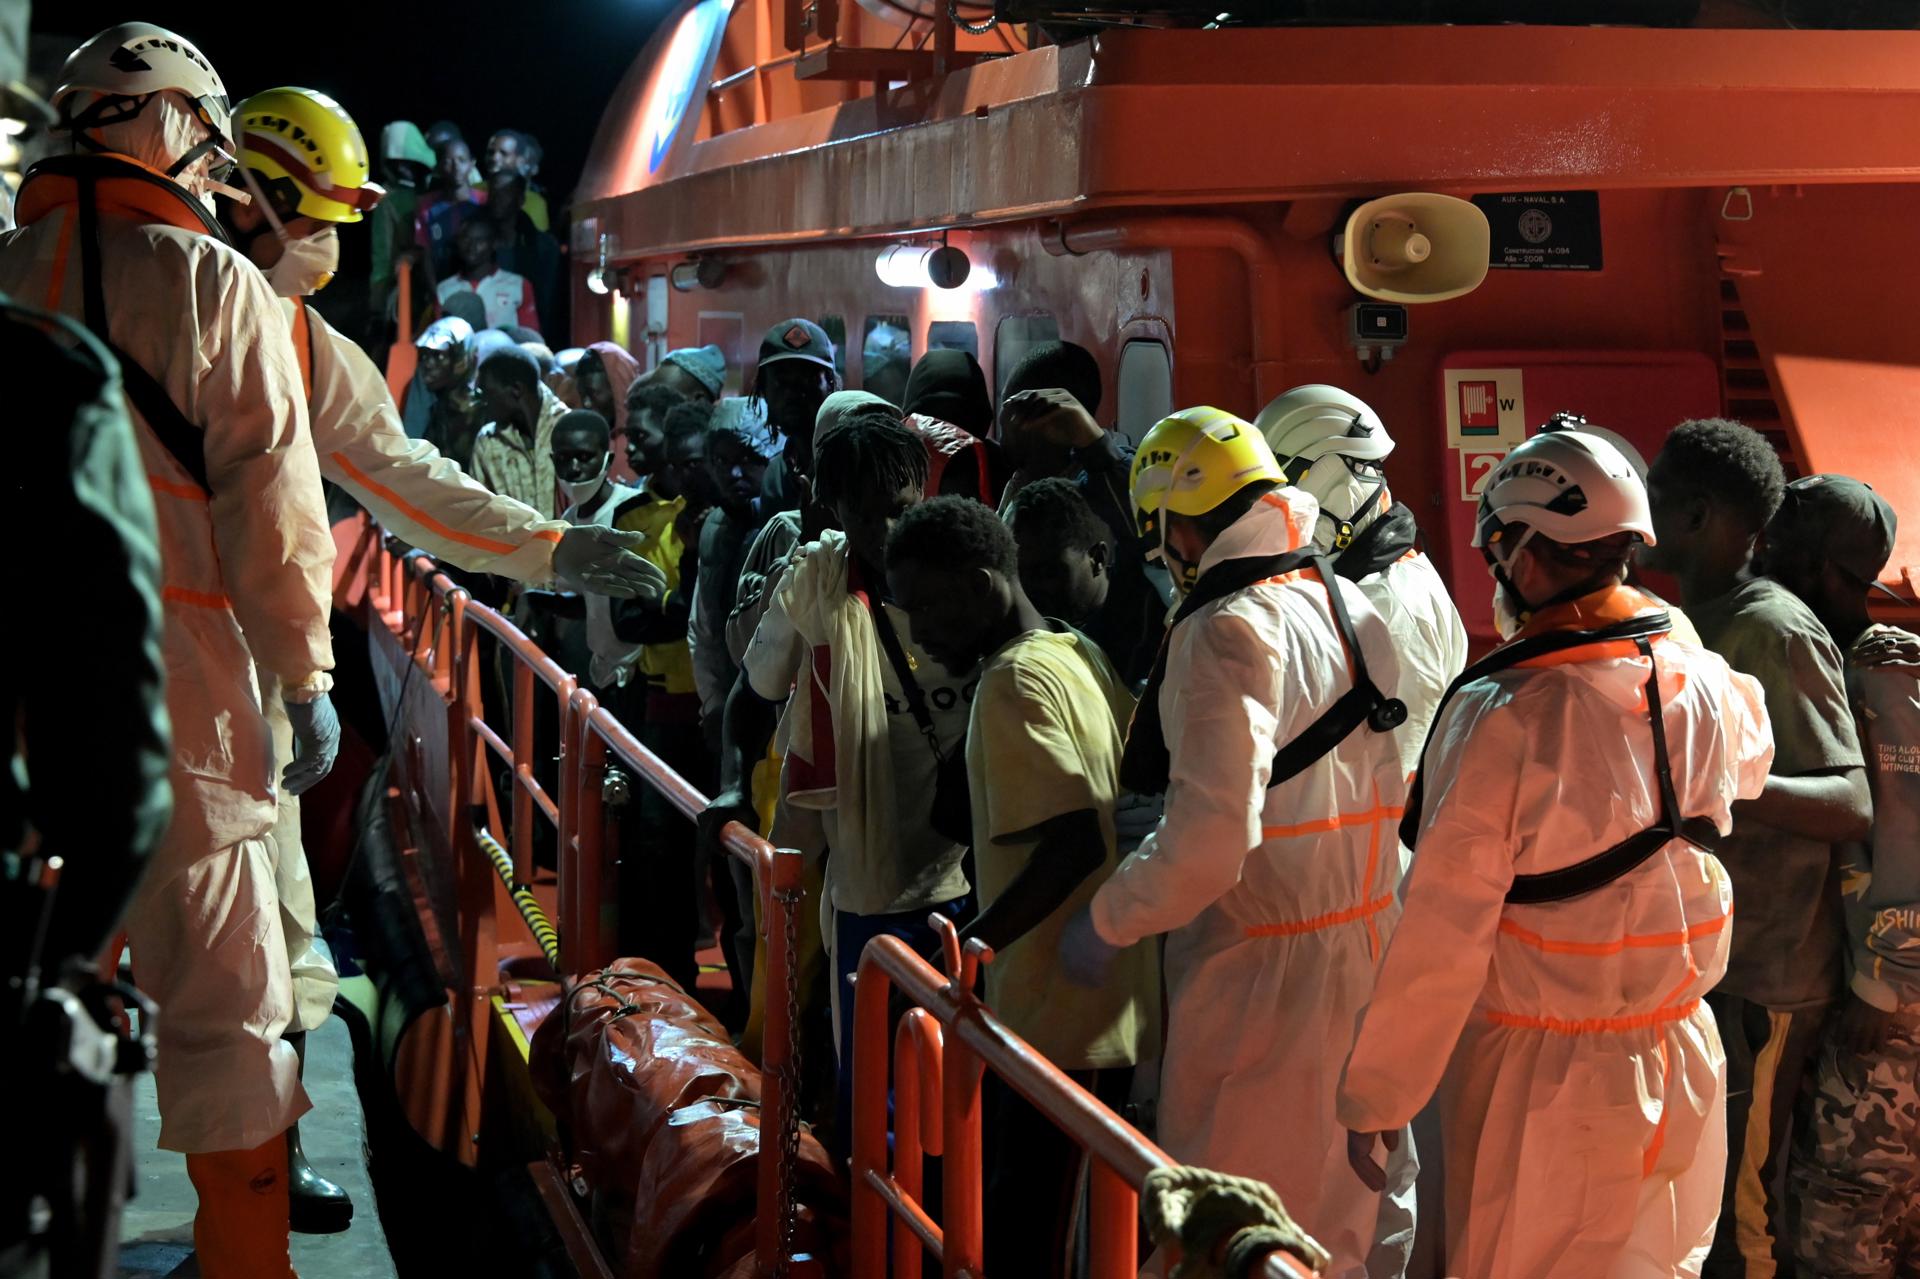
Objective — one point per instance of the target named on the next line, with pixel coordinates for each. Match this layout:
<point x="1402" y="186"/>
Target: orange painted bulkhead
<point x="1201" y="176"/>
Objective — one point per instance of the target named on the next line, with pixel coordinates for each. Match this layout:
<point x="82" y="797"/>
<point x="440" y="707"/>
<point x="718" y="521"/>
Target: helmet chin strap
<point x="1524" y="607"/>
<point x="1183" y="580"/>
<point x="1347" y="528"/>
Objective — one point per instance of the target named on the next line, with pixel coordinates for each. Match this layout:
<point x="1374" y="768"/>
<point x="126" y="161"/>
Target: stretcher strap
<point x="1146" y="765"/>
<point x="1503" y="658"/>
<point x="1627" y="856"/>
<point x="176" y="434"/>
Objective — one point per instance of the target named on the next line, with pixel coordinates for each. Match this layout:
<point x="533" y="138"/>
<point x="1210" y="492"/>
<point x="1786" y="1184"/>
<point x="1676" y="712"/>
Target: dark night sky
<point x="544" y="67"/>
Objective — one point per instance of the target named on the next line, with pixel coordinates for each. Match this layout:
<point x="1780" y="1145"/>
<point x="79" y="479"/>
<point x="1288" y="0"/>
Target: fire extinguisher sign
<point x="1486" y="409"/>
<point x="1476" y="468"/>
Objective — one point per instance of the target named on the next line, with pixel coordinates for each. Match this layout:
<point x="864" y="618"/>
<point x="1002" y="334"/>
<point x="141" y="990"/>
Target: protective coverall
<point x="1276" y="902"/>
<point x="246" y="569"/>
<point x="1429" y="638"/>
<point x="425" y="500"/>
<point x="1584" y="1083"/>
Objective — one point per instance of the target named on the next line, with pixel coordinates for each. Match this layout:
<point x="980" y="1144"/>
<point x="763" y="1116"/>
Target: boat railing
<point x="942" y="1047"/>
<point x="440" y="627"/>
<point x="944" y="1043"/>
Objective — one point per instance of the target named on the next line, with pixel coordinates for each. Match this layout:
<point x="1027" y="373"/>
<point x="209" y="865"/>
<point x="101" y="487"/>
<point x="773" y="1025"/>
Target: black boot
<point x="316" y="1206"/>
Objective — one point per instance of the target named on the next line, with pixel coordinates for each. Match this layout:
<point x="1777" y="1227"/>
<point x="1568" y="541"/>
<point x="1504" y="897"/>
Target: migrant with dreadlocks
<point x="873" y="721"/>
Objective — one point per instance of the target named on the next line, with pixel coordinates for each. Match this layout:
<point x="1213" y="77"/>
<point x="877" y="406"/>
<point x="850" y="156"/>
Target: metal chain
<point x="789" y="1136"/>
<point x="985" y="28"/>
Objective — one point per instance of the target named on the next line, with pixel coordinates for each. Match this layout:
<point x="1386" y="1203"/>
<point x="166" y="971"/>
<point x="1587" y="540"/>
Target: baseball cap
<point x="444" y="334"/>
<point x="746" y="420"/>
<point x="796" y="339"/>
<point x="1844" y="518"/>
<point x="402" y="140"/>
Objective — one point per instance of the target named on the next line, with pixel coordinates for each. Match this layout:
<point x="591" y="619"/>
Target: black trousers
<point x="1033" y="1174"/>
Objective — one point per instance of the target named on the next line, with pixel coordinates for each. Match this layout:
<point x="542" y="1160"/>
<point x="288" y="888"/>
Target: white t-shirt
<point x="507" y="297"/>
<point x="927" y="870"/>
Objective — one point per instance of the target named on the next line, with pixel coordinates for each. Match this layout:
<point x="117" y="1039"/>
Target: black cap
<point x="1849" y="523"/>
<point x="796" y="339"/>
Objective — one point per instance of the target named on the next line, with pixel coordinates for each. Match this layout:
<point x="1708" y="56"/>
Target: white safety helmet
<point x="113" y="76"/>
<point x="1569" y="486"/>
<point x="1564" y="421"/>
<point x="1330" y="444"/>
<point x="1311" y="422"/>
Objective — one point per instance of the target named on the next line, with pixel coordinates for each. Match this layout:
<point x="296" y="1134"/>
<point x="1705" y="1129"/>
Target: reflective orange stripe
<point x="1652" y="1156"/>
<point x="1596" y="1025"/>
<point x="194" y="599"/>
<point x="173" y="488"/>
<point x="1319" y="922"/>
<point x="1367" y="910"/>
<point x="1373" y="865"/>
<point x="1274" y="499"/>
<point x="1643" y="941"/>
<point x="1379" y="813"/>
<point x="428" y="522"/>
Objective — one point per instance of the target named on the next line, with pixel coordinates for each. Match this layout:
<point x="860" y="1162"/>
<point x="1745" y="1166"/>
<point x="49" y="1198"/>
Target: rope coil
<point x="1224" y="1226"/>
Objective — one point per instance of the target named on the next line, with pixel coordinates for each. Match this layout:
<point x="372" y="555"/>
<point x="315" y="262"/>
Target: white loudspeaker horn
<point x="1415" y="247"/>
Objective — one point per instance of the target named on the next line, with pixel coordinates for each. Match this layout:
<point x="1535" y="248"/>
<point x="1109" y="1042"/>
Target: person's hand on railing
<point x="596" y="560"/>
<point x="1085" y="957"/>
<point x="1360" y="1155"/>
<point x="730" y="805"/>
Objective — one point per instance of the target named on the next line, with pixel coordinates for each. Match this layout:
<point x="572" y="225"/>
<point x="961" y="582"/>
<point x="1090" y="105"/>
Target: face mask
<point x="306" y="265"/>
<point x="583" y="492"/>
<point x="1507" y="620"/>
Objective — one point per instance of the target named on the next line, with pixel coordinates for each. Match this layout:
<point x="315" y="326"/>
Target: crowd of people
<point x="1185" y="732"/>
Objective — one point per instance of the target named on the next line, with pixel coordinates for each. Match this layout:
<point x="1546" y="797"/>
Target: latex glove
<point x="1360" y="1154"/>
<point x="596" y="560"/>
<point x="316" y="741"/>
<point x="1085" y="957"/>
<point x="729" y="805"/>
<point x="1135" y="817"/>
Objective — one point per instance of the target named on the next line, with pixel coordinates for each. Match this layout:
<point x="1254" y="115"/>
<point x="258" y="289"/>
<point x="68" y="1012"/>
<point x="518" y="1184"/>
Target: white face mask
<point x="583" y="492"/>
<point x="306" y="265"/>
<point x="1507" y="620"/>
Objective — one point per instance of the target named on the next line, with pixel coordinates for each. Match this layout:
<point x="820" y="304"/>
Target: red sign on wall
<point x="1479" y="408"/>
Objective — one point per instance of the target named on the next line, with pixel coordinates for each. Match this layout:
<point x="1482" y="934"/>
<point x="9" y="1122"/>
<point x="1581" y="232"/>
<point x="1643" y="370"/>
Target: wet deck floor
<point x="156" y="1235"/>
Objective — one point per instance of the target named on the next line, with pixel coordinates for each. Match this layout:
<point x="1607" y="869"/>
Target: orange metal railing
<point x="942" y="1048"/>
<point x="440" y="627"/>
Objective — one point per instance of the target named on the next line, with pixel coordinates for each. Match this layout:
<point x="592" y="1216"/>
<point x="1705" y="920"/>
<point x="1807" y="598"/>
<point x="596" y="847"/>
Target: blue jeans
<point x="851" y="933"/>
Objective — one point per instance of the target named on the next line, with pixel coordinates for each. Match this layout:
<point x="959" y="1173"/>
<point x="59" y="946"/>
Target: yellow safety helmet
<point x="1190" y="463"/>
<point x="306" y="138"/>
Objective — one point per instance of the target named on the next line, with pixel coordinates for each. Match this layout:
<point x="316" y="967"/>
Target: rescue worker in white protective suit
<point x="1564" y="914"/>
<point x="1333" y="446"/>
<point x="1268" y="723"/>
<point x="119" y="235"/>
<point x="306" y="164"/>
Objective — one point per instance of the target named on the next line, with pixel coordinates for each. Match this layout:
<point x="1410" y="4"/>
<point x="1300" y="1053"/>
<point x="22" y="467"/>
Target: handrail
<point x="439" y="627"/>
<point x="974" y="1040"/>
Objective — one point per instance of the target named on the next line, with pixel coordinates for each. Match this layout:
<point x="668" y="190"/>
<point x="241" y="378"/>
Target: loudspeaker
<point x="1415" y="247"/>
